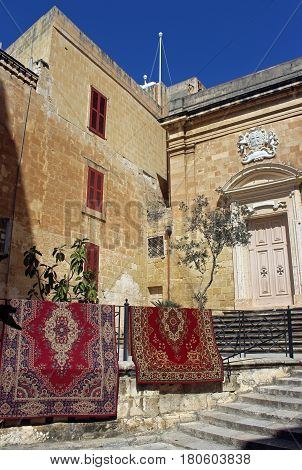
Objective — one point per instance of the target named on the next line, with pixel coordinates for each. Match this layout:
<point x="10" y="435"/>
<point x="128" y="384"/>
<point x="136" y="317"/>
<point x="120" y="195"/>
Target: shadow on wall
<point x="15" y="227"/>
<point x="180" y="389"/>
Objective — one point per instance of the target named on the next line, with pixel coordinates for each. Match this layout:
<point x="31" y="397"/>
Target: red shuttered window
<point x="95" y="190"/>
<point x="92" y="255"/>
<point x="98" y="107"/>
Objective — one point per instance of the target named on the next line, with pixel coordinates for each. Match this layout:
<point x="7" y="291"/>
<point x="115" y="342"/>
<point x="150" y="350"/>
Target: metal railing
<point x="238" y="332"/>
<point x="122" y="329"/>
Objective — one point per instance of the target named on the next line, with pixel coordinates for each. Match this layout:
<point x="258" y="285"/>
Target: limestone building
<point x="85" y="151"/>
<point x="245" y="137"/>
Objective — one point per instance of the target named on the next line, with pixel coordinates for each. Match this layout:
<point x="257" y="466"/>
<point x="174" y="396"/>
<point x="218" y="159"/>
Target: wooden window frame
<point x="92" y="109"/>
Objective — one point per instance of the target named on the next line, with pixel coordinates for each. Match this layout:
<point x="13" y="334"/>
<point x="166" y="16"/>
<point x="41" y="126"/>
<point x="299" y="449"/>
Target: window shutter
<point x="92" y="255"/>
<point x="99" y="191"/>
<point x="90" y="188"/>
<point x="98" y="105"/>
<point x="95" y="189"/>
<point x="94" y="109"/>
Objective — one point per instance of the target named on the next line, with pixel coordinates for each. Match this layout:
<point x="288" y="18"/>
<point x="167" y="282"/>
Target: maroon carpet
<point x="63" y="362"/>
<point x="172" y="345"/>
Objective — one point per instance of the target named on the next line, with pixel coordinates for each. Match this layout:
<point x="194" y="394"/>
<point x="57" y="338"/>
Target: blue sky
<point x="215" y="40"/>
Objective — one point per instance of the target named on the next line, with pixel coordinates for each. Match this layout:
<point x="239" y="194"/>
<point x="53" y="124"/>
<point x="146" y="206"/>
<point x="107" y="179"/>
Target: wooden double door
<point x="269" y="262"/>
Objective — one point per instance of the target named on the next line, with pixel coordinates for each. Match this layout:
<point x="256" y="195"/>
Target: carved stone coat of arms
<point x="257" y="144"/>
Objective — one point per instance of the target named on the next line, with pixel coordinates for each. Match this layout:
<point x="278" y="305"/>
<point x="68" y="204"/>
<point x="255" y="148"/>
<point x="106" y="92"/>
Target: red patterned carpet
<point x="63" y="362"/>
<point x="172" y="345"/>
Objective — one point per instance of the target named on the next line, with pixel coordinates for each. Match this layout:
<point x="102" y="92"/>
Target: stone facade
<point x="191" y="141"/>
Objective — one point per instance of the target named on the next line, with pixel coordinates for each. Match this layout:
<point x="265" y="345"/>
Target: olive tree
<point x="207" y="233"/>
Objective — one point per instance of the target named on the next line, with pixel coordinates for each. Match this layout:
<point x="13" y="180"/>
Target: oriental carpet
<point x="62" y="363"/>
<point x="174" y="345"/>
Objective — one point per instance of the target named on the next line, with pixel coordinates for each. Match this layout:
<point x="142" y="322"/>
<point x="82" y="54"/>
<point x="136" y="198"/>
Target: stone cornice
<point x="17" y="69"/>
<point x="224" y="103"/>
<point x="195" y="132"/>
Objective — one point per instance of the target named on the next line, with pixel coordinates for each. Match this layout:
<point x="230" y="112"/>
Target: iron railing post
<point x="290" y="333"/>
<point x="239" y="331"/>
<point x="243" y="326"/>
<point x="285" y="332"/>
<point x="126" y="335"/>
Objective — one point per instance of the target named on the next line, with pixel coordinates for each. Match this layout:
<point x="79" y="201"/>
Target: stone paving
<point x="170" y="440"/>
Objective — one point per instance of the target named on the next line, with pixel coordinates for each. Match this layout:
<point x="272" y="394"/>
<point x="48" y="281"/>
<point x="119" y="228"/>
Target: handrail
<point x="246" y="328"/>
<point x="262" y="310"/>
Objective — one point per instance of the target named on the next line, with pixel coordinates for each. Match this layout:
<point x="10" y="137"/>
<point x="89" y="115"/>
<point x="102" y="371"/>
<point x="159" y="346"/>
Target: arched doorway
<point x="268" y="272"/>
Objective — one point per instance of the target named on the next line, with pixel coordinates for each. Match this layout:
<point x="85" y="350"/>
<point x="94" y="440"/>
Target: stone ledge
<point x="16" y="68"/>
<point x="128" y="367"/>
<point x="264" y="362"/>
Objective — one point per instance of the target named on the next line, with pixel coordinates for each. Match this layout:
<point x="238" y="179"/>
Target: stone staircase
<point x="268" y="418"/>
<point x="258" y="326"/>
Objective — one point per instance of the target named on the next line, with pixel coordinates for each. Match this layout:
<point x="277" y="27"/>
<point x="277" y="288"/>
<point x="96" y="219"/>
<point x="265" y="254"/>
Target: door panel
<point x="278" y="232"/>
<point x="261" y="234"/>
<point x="263" y="274"/>
<point x="269" y="263"/>
<point x="280" y="271"/>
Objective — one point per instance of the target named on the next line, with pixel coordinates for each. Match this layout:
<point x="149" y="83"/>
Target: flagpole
<point x="160" y="66"/>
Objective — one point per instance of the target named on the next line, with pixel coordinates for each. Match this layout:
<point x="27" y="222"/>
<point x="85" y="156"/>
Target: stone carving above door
<point x="257" y="144"/>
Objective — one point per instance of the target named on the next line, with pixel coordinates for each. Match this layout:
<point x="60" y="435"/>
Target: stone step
<point x="252" y="424"/>
<point x="290" y="381"/>
<point x="262" y="411"/>
<point x="279" y="402"/>
<point x="186" y="441"/>
<point x="297" y="371"/>
<point x="237" y="439"/>
<point x="284" y="390"/>
<point x="234" y="438"/>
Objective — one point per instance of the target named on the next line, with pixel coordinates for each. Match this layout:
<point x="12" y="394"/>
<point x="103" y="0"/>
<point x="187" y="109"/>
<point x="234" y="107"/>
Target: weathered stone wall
<point x="166" y="405"/>
<point x="59" y="147"/>
<point x="50" y="207"/>
<point x="14" y="97"/>
<point x="34" y="44"/>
